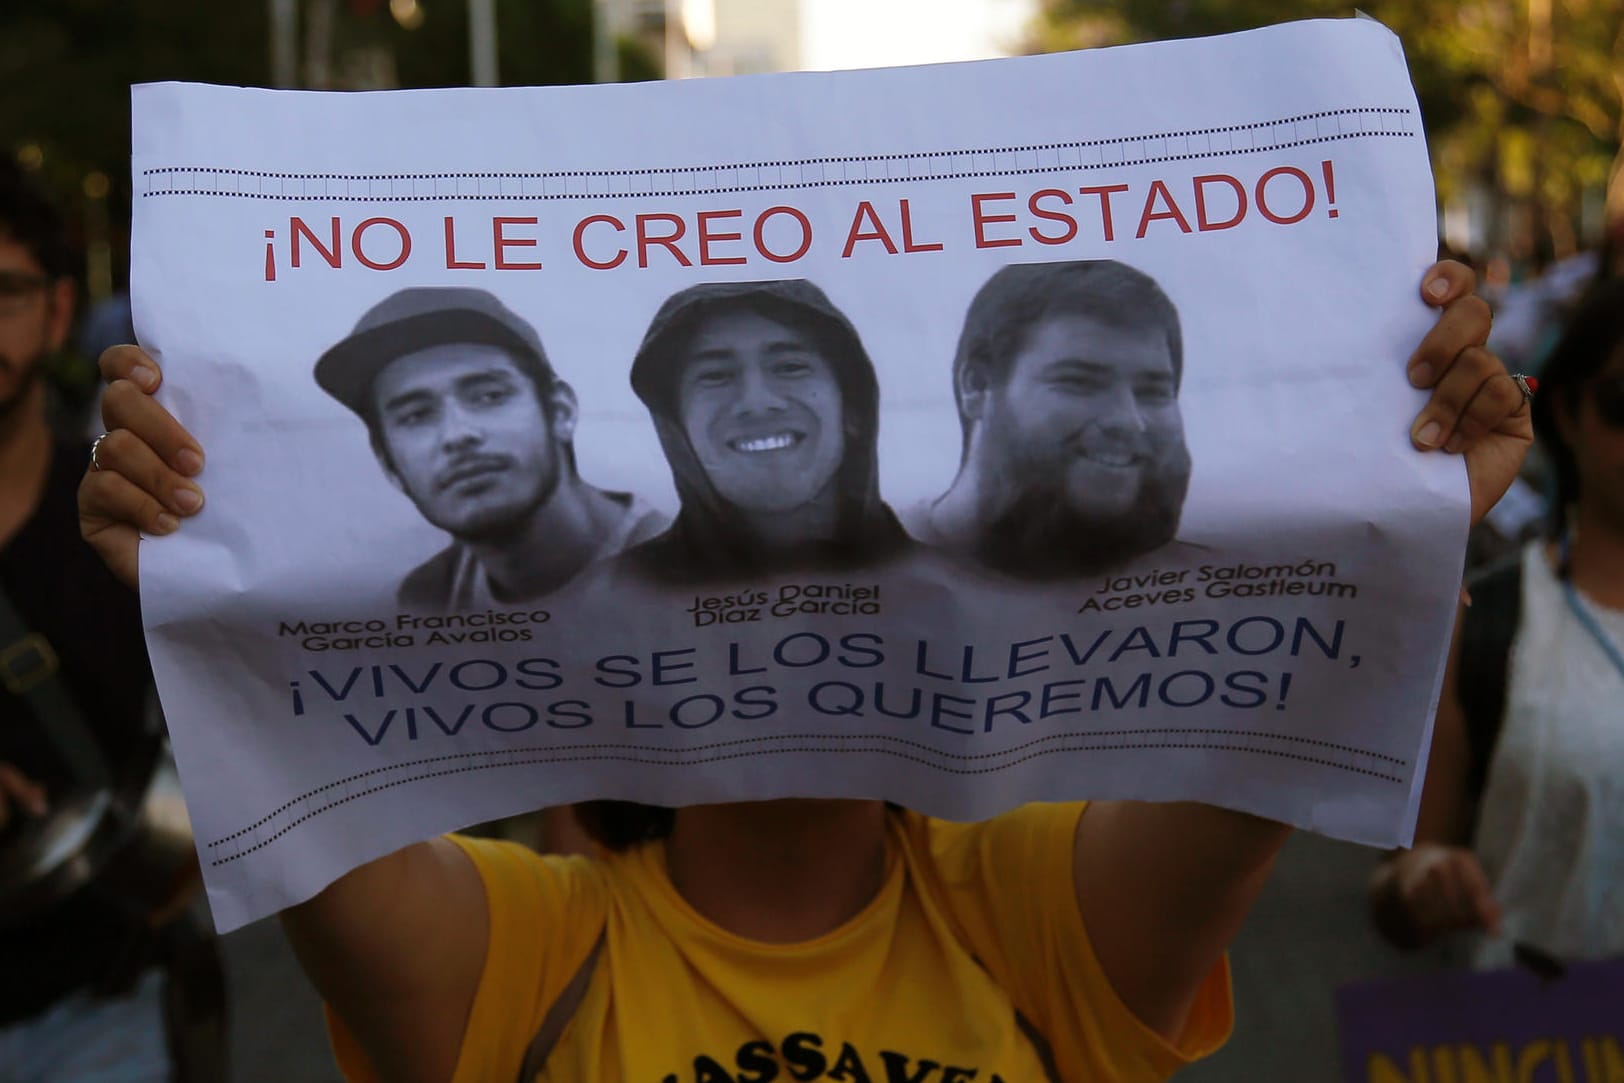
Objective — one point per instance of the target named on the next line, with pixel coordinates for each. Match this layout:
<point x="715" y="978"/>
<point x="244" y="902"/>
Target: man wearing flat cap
<point x="469" y="420"/>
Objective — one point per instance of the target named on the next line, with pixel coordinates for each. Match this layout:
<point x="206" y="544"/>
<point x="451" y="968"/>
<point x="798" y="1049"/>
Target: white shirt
<point x="1551" y="830"/>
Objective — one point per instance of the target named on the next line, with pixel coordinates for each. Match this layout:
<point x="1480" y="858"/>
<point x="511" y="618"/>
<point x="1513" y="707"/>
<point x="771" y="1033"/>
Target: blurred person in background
<point x="82" y="991"/>
<point x="1529" y="318"/>
<point x="1521" y="832"/>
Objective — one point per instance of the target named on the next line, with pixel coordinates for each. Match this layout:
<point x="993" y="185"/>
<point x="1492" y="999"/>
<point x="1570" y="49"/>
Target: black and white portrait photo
<point x="767" y="408"/>
<point x="1073" y="459"/>
<point x="468" y="418"/>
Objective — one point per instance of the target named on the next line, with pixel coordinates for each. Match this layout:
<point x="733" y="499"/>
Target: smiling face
<point x="1090" y="407"/>
<point x="465" y="435"/>
<point x="761" y="408"/>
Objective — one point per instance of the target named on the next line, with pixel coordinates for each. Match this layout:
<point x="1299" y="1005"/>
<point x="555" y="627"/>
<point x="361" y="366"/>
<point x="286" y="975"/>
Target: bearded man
<point x="1074" y="461"/>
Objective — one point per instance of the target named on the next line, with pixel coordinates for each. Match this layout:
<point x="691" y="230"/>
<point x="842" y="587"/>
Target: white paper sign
<point x="962" y="435"/>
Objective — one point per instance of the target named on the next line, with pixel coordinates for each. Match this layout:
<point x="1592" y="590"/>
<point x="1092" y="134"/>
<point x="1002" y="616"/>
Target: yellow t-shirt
<point x="893" y="996"/>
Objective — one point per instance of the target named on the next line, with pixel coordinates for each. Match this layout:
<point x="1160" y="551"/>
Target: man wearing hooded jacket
<point x="767" y="407"/>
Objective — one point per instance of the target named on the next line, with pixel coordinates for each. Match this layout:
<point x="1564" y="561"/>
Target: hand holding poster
<point x="961" y="435"/>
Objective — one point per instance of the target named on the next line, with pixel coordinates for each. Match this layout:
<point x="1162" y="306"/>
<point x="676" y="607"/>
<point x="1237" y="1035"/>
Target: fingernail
<point x="1455" y="444"/>
<point x="1421" y="375"/>
<point x="144" y="377"/>
<point x="188" y="500"/>
<point x="1437" y="288"/>
<point x="167" y="524"/>
<point x="1428" y="436"/>
<point x="188" y="462"/>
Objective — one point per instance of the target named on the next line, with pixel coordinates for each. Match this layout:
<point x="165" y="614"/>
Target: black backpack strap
<point x="1481" y="679"/>
<point x="1040" y="1044"/>
<point x="31" y="671"/>
<point x="559" y="1015"/>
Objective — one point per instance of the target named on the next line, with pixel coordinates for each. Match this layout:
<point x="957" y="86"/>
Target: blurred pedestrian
<point x="82" y="995"/>
<point x="1521" y="831"/>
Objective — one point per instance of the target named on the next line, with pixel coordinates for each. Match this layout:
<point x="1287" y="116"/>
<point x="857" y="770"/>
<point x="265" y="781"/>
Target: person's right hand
<point x="1444" y="889"/>
<point x="17" y="788"/>
<point x="147" y="460"/>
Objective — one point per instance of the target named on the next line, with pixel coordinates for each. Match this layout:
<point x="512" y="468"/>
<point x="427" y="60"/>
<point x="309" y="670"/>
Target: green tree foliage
<point x="1523" y="99"/>
<point x="66" y="67"/>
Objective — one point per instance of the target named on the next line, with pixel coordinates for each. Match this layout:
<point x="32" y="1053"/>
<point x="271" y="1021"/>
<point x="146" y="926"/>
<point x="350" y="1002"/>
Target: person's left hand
<point x="1476" y="409"/>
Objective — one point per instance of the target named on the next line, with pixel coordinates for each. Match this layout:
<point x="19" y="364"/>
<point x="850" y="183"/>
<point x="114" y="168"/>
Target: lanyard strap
<point x="1588" y="619"/>
<point x="1580" y="610"/>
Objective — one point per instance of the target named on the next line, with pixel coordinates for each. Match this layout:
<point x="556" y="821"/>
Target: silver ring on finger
<point x="1526" y="384"/>
<point x="95" y="452"/>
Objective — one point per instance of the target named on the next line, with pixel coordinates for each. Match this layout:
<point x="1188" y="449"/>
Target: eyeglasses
<point x="16" y="288"/>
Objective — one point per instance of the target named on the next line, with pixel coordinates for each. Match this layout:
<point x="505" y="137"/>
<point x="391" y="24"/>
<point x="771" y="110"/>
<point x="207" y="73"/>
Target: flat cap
<point x="415" y="319"/>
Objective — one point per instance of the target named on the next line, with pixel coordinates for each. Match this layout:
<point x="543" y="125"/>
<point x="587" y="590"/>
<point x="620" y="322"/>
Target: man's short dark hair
<point x="1021" y="296"/>
<point x="29" y="217"/>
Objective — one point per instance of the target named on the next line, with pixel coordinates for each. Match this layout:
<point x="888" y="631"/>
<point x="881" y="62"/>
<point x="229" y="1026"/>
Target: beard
<point x="496" y="526"/>
<point x="1042" y="535"/>
<point x="500" y="528"/>
<point x="28" y="375"/>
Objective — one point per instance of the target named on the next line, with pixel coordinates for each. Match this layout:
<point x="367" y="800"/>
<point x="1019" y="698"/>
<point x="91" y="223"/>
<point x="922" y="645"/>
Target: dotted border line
<point x="681" y="760"/>
<point x="738" y="741"/>
<point x="217" y="862"/>
<point x="774" y="187"/>
<point x="713" y="189"/>
<point x="900" y="156"/>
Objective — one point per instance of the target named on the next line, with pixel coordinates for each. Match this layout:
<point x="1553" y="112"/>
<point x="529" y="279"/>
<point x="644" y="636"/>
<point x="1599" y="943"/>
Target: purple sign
<point x="1503" y="1026"/>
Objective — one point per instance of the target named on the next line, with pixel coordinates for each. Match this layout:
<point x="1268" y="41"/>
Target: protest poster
<point x="961" y="435"/>
<point x="1495" y="1026"/>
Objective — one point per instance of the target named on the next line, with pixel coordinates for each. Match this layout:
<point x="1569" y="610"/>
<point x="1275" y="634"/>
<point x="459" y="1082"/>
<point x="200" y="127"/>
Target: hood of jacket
<point x="707" y="531"/>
